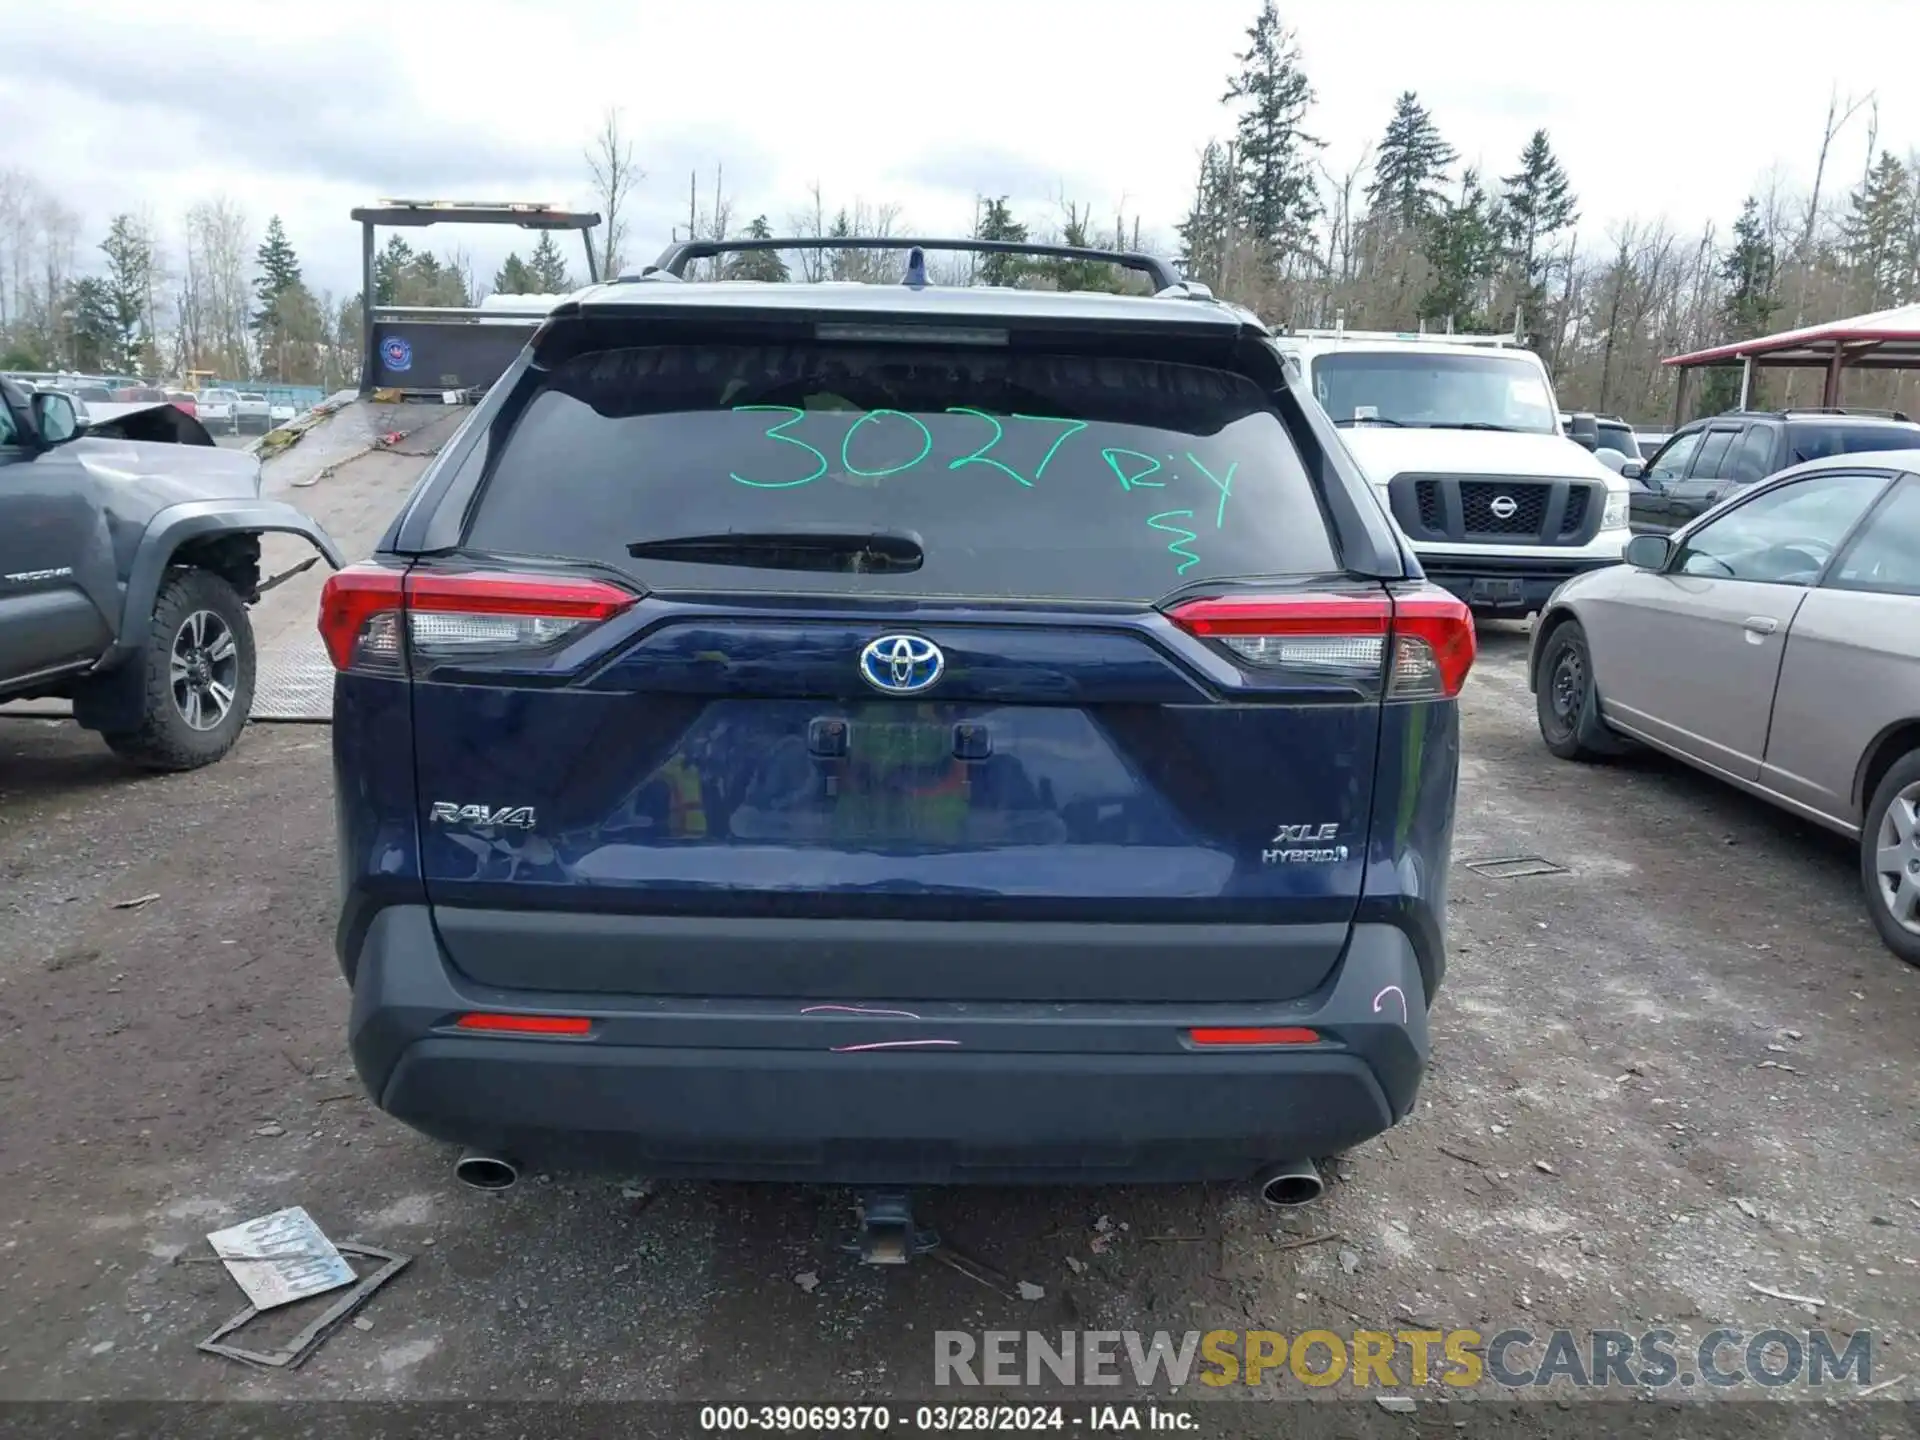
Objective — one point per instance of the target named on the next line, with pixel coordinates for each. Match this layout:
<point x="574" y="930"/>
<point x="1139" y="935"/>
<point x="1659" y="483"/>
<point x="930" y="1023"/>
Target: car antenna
<point x="916" y="269"/>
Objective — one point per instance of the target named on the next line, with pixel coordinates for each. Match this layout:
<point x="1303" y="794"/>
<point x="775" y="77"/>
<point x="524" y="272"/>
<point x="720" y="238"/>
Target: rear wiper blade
<point x="1371" y="420"/>
<point x="881" y="552"/>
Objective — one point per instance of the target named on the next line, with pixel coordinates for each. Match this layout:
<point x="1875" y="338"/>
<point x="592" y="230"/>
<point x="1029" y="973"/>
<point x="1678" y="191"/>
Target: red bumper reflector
<point x="527" y="1024"/>
<point x="1255" y="1035"/>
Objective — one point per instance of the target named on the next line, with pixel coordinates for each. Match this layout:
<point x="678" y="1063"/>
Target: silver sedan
<point x="1775" y="643"/>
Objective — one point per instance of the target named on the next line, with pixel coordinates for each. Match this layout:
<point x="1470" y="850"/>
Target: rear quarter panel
<point x="377" y="825"/>
<point x="1410" y="838"/>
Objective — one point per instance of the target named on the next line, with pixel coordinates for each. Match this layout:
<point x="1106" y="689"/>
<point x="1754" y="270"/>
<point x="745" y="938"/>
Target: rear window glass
<point x="1815" y="442"/>
<point x="1018" y="474"/>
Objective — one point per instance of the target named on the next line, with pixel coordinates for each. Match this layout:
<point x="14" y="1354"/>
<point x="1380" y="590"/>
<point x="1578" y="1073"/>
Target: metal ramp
<point x="294" y="683"/>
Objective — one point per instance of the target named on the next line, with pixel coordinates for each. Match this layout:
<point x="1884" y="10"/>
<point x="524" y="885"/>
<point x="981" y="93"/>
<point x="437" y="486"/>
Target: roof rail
<point x="1492" y="342"/>
<point x="675" y="258"/>
<point x="1845" y="410"/>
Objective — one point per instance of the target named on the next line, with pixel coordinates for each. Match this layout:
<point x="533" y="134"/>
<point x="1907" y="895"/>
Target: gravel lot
<point x="1681" y="1069"/>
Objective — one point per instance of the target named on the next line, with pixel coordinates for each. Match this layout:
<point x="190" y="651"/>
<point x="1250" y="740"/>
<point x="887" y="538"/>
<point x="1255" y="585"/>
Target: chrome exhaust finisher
<point x="485" y="1172"/>
<point x="1289" y="1184"/>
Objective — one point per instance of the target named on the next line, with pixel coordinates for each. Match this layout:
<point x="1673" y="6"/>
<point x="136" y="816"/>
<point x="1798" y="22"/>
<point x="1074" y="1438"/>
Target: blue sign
<point x="396" y="354"/>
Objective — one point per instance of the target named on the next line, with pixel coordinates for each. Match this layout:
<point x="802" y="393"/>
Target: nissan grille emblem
<point x="1504" y="507"/>
<point x="902" y="664"/>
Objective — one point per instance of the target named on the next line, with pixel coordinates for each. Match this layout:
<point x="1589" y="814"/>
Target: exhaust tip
<point x="485" y="1172"/>
<point x="1287" y="1186"/>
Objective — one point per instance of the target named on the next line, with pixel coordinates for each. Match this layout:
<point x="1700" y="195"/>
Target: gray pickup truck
<point x="129" y="553"/>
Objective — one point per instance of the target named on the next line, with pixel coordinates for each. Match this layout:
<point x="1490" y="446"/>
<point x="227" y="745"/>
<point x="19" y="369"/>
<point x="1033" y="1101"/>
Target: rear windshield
<point x="1617" y="437"/>
<point x="1018" y="474"/>
<point x="1814" y="442"/>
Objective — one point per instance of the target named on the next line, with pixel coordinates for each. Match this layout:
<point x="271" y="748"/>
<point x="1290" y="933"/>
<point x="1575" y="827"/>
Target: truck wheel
<point x="1890" y="858"/>
<point x="1568" y="705"/>
<point x="197" y="676"/>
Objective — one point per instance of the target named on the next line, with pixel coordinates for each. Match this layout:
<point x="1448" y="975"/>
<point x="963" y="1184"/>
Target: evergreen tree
<point x="1463" y="245"/>
<point x="547" y="270"/>
<point x="93" y="324"/>
<point x="389" y="266"/>
<point x="423" y="280"/>
<point x="279" y="273"/>
<point x="1876" y="232"/>
<point x="1207" y="233"/>
<point x="1539" y="204"/>
<point x="762" y="265"/>
<point x="995" y="222"/>
<point x="514" y="278"/>
<point x="129" y="279"/>
<point x="1409" y="171"/>
<point x="1279" y="201"/>
<point x="1749" y="270"/>
<point x="293" y="336"/>
<point x="1064" y="274"/>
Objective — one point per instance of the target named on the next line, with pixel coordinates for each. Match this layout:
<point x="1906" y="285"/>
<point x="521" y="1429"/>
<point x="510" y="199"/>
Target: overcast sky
<point x="1656" y="107"/>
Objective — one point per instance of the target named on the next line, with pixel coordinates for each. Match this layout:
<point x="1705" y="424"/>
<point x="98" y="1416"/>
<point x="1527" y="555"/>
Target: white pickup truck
<point x="1461" y="438"/>
<point x="251" y="411"/>
<point x="216" y="411"/>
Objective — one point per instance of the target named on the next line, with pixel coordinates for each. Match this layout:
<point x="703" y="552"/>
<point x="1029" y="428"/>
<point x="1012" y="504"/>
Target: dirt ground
<point x="1682" y="1069"/>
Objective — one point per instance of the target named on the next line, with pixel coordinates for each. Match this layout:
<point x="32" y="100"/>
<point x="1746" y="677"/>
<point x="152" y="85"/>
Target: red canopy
<point x="1883" y="340"/>
<point x="1886" y="339"/>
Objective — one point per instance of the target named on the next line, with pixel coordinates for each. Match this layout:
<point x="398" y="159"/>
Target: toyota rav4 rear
<point x="894" y="735"/>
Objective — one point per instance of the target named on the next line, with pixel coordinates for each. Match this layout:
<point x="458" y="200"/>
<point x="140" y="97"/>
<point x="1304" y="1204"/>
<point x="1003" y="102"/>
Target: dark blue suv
<point x="895" y="735"/>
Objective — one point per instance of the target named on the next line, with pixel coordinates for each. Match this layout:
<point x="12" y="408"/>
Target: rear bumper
<point x="762" y="1089"/>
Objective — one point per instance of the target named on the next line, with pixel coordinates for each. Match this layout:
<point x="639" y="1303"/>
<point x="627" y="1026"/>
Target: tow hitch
<point x="886" y="1234"/>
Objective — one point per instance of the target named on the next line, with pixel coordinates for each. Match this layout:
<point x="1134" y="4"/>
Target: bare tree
<point x="220" y="244"/>
<point x="811" y="223"/>
<point x="1343" y="220"/>
<point x="460" y="261"/>
<point x="610" y="159"/>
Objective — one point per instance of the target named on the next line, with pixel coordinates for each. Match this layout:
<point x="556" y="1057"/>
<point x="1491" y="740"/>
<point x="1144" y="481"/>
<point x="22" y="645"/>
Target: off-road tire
<point x="1578" y="733"/>
<point x="1903" y="776"/>
<point x="164" y="740"/>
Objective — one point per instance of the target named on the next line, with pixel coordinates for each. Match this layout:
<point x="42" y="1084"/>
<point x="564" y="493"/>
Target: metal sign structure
<point x="438" y="350"/>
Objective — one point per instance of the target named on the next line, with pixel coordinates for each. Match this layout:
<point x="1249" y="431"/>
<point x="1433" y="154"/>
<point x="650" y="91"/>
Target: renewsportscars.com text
<point x="1365" y="1359"/>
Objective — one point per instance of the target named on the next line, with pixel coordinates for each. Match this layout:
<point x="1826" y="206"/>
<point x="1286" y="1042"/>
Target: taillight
<point x="448" y="615"/>
<point x="360" y="617"/>
<point x="1344" y="638"/>
<point x="1433" y="647"/>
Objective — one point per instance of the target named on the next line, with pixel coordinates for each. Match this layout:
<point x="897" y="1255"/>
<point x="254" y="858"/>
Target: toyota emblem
<point x="902" y="664"/>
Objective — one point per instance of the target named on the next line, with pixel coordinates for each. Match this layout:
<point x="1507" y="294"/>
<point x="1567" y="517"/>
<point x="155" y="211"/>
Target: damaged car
<point x="129" y="553"/>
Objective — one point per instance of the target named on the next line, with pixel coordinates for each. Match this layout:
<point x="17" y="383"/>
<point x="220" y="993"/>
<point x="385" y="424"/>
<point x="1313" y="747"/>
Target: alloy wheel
<point x="204" y="670"/>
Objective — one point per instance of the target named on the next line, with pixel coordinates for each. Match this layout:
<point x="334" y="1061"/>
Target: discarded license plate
<point x="280" y="1258"/>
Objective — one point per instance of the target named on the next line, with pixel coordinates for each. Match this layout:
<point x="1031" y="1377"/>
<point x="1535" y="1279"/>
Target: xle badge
<point x="1304" y="845"/>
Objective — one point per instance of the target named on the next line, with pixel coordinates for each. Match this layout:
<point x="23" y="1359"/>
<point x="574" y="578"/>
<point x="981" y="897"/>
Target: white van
<point x="1461" y="437"/>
